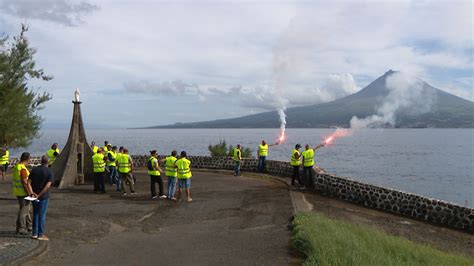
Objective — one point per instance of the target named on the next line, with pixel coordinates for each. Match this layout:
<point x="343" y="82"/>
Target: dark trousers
<point x="262" y="163"/>
<point x="99" y="182"/>
<point x="156" y="179"/>
<point x="23" y="220"/>
<point x="296" y="175"/>
<point x="308" y="174"/>
<point x="237" y="168"/>
<point x="39" y="216"/>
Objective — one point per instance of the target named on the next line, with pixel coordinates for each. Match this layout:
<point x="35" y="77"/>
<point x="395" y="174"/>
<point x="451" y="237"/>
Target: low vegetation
<point x="220" y="149"/>
<point x="324" y="241"/>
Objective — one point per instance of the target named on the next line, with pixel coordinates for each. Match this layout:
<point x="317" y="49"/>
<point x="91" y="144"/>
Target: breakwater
<point x="386" y="199"/>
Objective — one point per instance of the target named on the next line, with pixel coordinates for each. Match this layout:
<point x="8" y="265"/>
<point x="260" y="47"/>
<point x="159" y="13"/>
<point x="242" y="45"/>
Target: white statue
<point x="77" y="94"/>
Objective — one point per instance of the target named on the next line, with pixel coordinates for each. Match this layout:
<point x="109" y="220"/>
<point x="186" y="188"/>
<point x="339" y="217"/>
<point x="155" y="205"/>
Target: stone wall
<point x="390" y="200"/>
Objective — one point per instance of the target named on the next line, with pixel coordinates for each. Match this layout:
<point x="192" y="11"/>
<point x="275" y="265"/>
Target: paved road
<point x="232" y="220"/>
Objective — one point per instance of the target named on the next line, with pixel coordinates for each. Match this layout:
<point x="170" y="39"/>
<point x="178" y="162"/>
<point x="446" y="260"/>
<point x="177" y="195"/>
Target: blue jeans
<point x="171" y="186"/>
<point x="39" y="216"/>
<point x="261" y="163"/>
<point x="113" y="177"/>
<point x="237" y="168"/>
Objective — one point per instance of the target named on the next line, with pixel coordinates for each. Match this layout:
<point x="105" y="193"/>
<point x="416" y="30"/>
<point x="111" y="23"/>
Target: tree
<point x="19" y="103"/>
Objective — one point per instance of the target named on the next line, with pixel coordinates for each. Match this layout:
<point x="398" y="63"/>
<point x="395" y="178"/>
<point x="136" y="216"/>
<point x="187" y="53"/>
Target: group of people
<point x="305" y="158"/>
<point x="32" y="188"/>
<point x="119" y="166"/>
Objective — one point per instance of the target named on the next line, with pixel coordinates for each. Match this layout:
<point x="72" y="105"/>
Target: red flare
<point x="282" y="138"/>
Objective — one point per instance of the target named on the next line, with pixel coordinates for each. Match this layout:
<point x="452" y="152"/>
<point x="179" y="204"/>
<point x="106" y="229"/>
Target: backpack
<point x="149" y="165"/>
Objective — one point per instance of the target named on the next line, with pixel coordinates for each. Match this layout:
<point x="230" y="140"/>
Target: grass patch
<point x="325" y="241"/>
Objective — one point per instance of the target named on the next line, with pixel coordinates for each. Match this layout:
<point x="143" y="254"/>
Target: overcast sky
<point x="143" y="63"/>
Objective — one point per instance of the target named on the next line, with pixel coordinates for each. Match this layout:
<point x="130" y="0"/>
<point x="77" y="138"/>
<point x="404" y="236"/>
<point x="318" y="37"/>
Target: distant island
<point x="447" y="111"/>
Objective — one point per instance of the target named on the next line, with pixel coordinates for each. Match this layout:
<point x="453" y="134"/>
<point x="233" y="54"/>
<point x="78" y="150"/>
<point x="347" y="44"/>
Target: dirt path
<point x="237" y="221"/>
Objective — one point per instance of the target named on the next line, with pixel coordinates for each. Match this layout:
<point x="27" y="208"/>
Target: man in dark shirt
<point x="41" y="178"/>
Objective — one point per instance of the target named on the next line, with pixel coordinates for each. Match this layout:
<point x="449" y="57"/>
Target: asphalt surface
<point x="231" y="221"/>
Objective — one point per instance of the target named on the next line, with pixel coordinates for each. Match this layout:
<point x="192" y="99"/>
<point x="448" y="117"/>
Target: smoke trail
<point x="406" y="93"/>
<point x="282" y="115"/>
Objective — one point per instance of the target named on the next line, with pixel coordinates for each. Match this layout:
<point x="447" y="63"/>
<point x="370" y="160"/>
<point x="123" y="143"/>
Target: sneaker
<point x="302" y="187"/>
<point x="34" y="237"/>
<point x="163" y="197"/>
<point x="154" y="197"/>
<point x="173" y="198"/>
<point x="132" y="193"/>
<point x="190" y="199"/>
<point x="124" y="194"/>
<point x="22" y="233"/>
<point x="43" y="238"/>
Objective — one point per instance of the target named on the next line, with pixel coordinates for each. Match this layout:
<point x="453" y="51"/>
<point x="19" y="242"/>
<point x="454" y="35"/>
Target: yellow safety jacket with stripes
<point x="184" y="170"/>
<point x="154" y="162"/>
<point x="18" y="188"/>
<point x="99" y="163"/>
<point x="170" y="169"/>
<point x="295" y="161"/>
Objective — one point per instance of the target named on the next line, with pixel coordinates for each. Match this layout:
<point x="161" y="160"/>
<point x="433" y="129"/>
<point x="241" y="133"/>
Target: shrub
<point x="220" y="149"/>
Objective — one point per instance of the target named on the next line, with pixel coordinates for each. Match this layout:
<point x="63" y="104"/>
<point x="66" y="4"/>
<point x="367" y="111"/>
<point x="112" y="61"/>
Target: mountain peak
<point x="389" y="72"/>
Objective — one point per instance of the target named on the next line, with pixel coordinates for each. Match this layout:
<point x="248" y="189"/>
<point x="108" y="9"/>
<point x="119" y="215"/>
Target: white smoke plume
<point x="407" y="94"/>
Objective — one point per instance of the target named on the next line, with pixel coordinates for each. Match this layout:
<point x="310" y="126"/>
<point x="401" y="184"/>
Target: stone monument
<point x="74" y="163"/>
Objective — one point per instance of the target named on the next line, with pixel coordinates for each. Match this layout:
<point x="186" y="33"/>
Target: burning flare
<point x="340" y="132"/>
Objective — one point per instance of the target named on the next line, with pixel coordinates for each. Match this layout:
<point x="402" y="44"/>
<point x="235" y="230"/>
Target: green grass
<point x="325" y="241"/>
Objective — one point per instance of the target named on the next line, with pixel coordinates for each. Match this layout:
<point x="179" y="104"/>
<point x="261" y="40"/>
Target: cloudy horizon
<point x="146" y="63"/>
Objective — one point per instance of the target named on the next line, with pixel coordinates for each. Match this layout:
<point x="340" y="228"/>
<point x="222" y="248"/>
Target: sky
<point x="145" y="63"/>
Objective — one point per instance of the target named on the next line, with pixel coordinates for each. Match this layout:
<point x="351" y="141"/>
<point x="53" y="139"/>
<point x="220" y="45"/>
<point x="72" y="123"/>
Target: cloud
<point x="220" y="49"/>
<point x="263" y="97"/>
<point x="176" y="87"/>
<point x="63" y="12"/>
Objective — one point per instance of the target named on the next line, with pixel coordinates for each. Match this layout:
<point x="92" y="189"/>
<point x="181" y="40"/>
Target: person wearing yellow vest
<point x="105" y="147"/>
<point x="172" y="173"/>
<point x="98" y="161"/>
<point x="21" y="188"/>
<point x="154" y="171"/>
<point x="296" y="163"/>
<point x="262" y="154"/>
<point x="308" y="163"/>
<point x="4" y="161"/>
<point x="237" y="157"/>
<point x="125" y="167"/>
<point x="94" y="147"/>
<point x="183" y="166"/>
<point x="112" y="165"/>
<point x="53" y="153"/>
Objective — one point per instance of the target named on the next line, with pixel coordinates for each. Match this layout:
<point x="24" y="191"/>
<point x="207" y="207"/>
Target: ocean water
<point x="436" y="163"/>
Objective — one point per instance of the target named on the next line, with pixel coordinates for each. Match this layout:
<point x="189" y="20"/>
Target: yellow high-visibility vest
<point x="51" y="156"/>
<point x="263" y="150"/>
<point x="114" y="156"/>
<point x="99" y="163"/>
<point x="237" y="155"/>
<point x="4" y="159"/>
<point x="124" y="163"/>
<point x="154" y="172"/>
<point x="171" y="169"/>
<point x="308" y="157"/>
<point x="184" y="170"/>
<point x="95" y="149"/>
<point x="295" y="161"/>
<point x="18" y="189"/>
